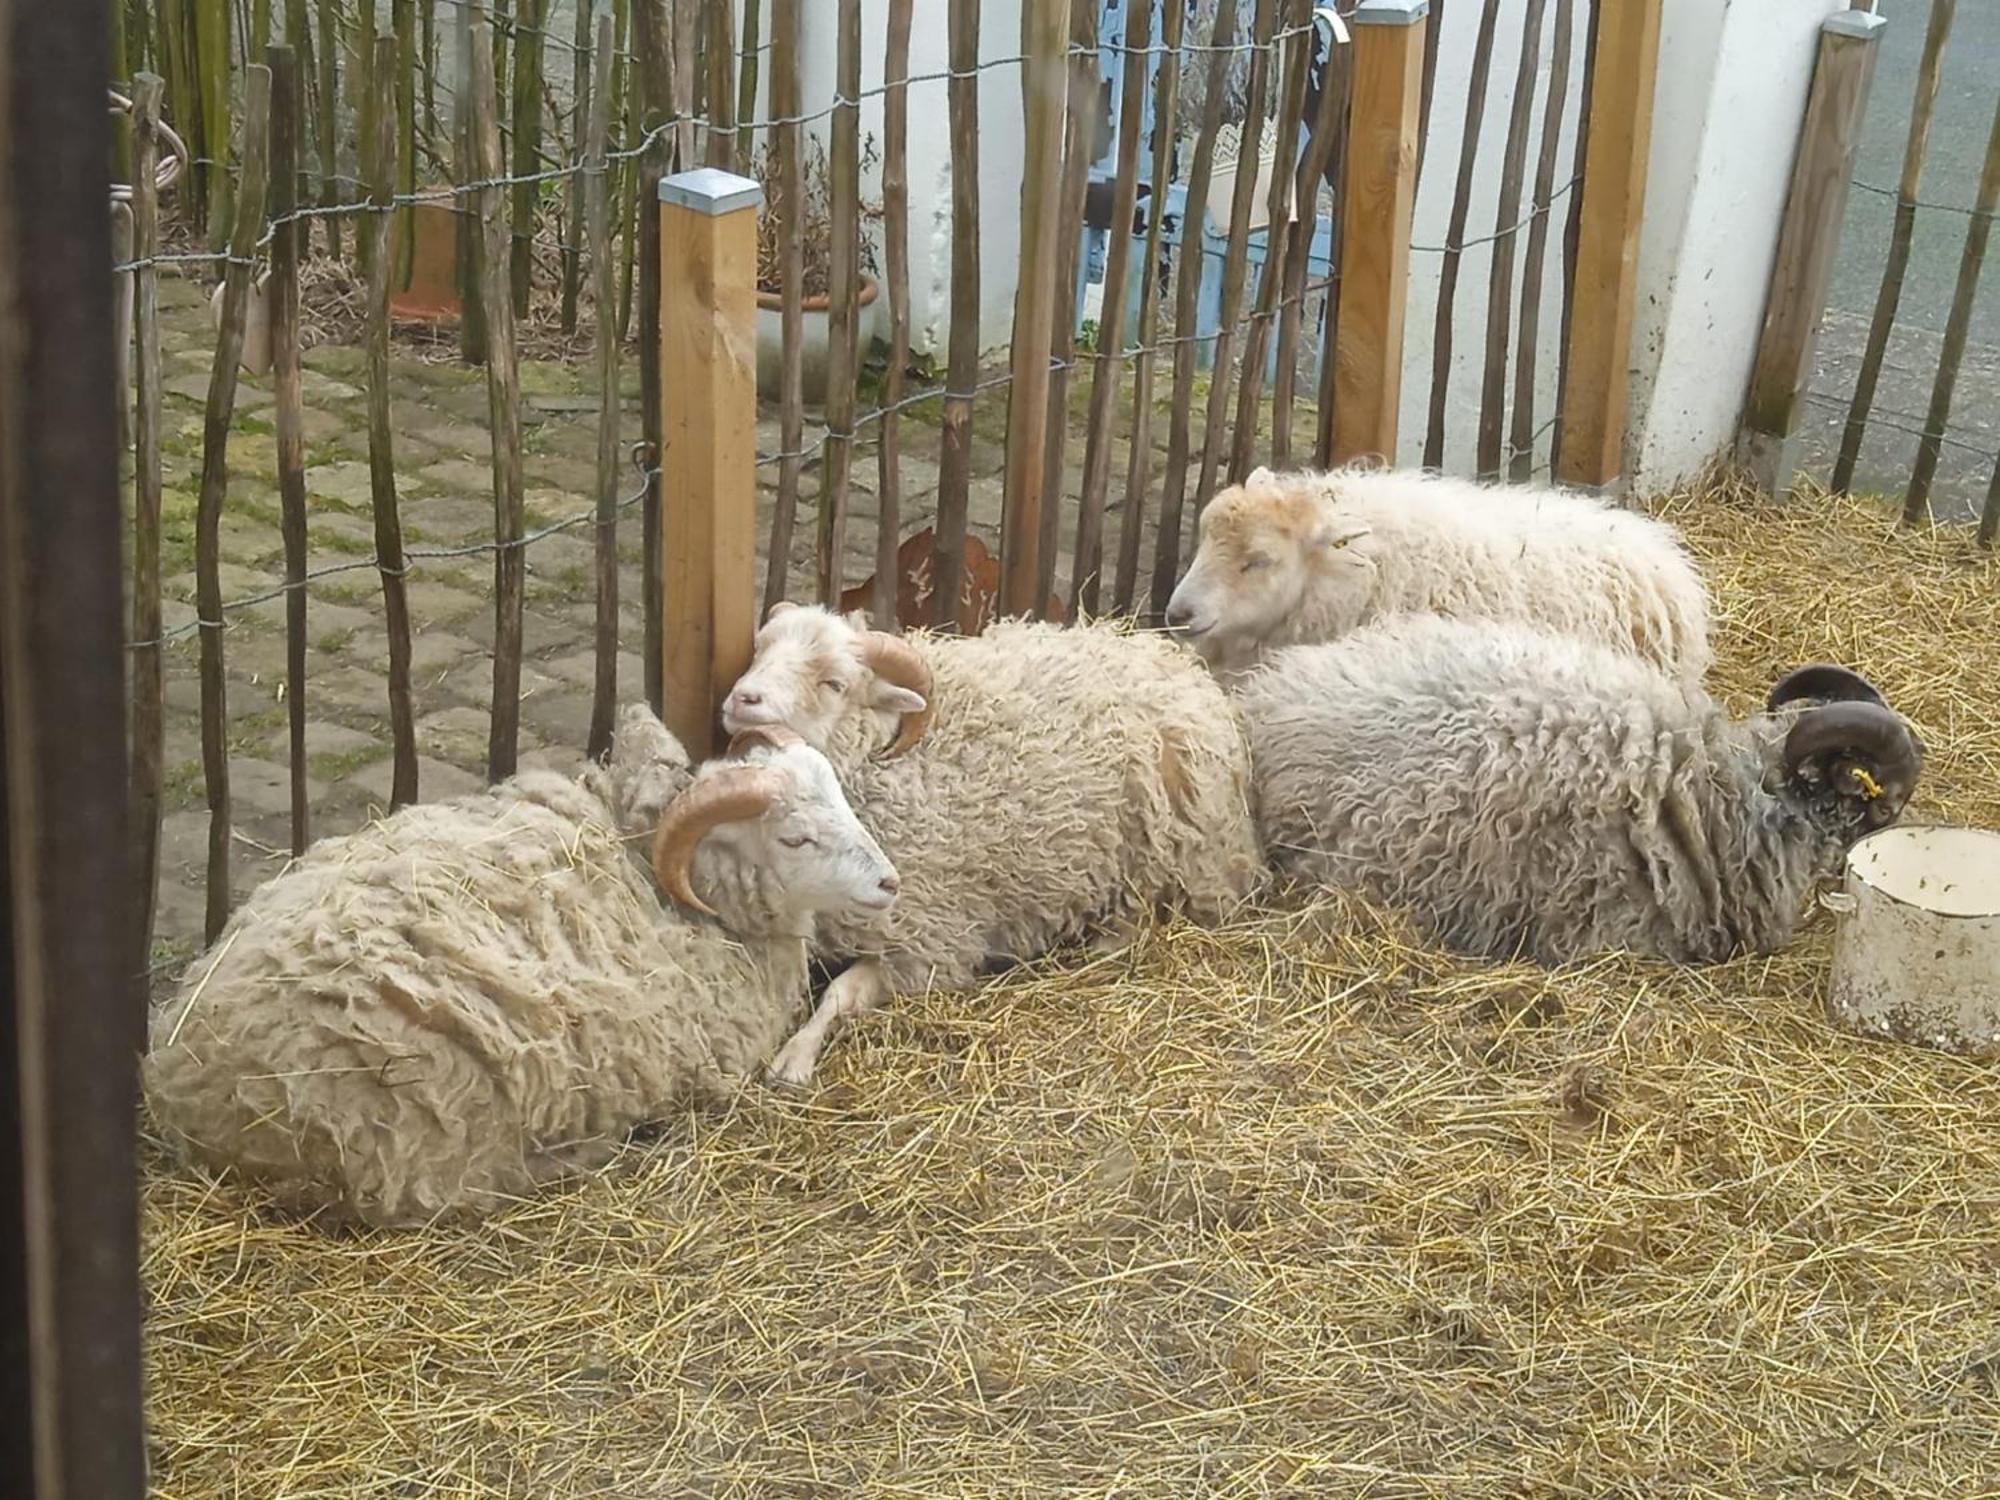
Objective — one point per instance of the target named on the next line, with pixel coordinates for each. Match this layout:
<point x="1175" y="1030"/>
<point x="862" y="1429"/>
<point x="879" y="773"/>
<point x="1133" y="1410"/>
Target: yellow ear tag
<point x="1870" y="787"/>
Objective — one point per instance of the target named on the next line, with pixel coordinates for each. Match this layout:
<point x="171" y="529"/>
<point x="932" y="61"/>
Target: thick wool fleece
<point x="1529" y="794"/>
<point x="454" y="1005"/>
<point x="1564" y="562"/>
<point x="1072" y="779"/>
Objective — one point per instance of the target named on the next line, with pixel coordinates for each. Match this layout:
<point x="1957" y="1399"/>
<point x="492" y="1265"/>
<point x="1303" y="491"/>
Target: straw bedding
<point x="1295" y="1206"/>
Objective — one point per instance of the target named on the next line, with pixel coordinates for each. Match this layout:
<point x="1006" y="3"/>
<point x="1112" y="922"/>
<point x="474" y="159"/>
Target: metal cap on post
<point x="1389" y="12"/>
<point x="1865" y="24"/>
<point x="708" y="467"/>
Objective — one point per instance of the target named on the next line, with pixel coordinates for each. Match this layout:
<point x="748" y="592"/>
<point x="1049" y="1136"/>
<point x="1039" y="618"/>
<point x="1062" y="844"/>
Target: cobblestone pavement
<point x="444" y="483"/>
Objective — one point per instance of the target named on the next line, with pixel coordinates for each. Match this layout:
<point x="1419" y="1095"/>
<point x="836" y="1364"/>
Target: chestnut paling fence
<point x="1166" y="336"/>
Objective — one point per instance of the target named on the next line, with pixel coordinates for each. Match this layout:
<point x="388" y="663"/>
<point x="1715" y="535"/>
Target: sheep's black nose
<point x="890" y="884"/>
<point x="748" y="700"/>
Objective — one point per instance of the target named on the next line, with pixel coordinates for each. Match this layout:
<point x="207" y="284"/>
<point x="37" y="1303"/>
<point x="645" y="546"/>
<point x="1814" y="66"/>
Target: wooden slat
<point x="576" y="189"/>
<point x="1077" y="150"/>
<point x="1187" y="295"/>
<point x="1432" y="39"/>
<point x="1620" y="123"/>
<point x="1500" y="271"/>
<point x="1573" y="230"/>
<point x="215" y="485"/>
<point x="1989" y="517"/>
<point x="1277" y="240"/>
<point x="896" y="268"/>
<point x="785" y="108"/>
<point x="1808" y="241"/>
<point x="527" y="116"/>
<point x="1521" y="435"/>
<point x="214" y="26"/>
<point x="1377" y="201"/>
<point x="605" y="341"/>
<point x="721" y="94"/>
<point x="655" y="100"/>
<point x="1454" y="239"/>
<point x="503" y="408"/>
<point x="471" y="309"/>
<point x="148" y="708"/>
<point x="1329" y="130"/>
<point x="1109" y="361"/>
<point x="1930" y="73"/>
<point x="962" y="353"/>
<point x="844" y="272"/>
<point x="289" y="415"/>
<point x="1916" y="502"/>
<point x="746" y="84"/>
<point x="708" y="254"/>
<point x="72" y="1011"/>
<point x="379" y="167"/>
<point x="1235" y="261"/>
<point x="687" y="15"/>
<point x="1045" y="34"/>
<point x="404" y="12"/>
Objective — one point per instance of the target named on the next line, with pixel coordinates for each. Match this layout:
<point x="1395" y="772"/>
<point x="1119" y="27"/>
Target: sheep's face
<point x="809" y="843"/>
<point x="807" y="675"/>
<point x="1260" y="543"/>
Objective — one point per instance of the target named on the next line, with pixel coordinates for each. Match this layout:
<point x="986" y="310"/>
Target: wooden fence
<point x="334" y="130"/>
<point x="1784" y="382"/>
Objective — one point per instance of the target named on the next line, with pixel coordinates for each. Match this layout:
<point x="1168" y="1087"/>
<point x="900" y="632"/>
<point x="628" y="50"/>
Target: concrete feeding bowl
<point x="1917" y="953"/>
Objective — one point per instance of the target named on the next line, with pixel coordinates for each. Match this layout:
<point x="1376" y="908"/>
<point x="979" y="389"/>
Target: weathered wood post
<point x="1376" y="212"/>
<point x="1591" y="450"/>
<point x="1807" y="244"/>
<point x="708" y="338"/>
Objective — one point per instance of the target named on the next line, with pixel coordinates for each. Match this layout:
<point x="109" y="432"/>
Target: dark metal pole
<point x="71" y="1004"/>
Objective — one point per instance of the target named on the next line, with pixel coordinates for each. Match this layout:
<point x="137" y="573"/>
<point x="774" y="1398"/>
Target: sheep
<point x="1532" y="794"/>
<point x="1034" y="785"/>
<point x="436" y="1015"/>
<point x="1291" y="559"/>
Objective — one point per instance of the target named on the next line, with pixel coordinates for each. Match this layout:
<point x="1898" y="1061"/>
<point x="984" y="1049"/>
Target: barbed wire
<point x="647" y="474"/>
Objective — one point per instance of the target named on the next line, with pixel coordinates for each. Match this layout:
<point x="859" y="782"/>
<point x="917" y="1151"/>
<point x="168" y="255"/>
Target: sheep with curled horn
<point x="1034" y="785"/>
<point x="1528" y="794"/>
<point x="1293" y="559"/>
<point x="435" y="1015"/>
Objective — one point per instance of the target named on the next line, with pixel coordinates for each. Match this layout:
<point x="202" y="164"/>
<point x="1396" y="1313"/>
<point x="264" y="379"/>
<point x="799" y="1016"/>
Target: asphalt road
<point x="1959" y="133"/>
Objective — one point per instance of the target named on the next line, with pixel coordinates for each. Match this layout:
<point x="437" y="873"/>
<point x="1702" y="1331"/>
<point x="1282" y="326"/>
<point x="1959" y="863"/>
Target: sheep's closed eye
<point x="801" y="841"/>
<point x="1255" y="563"/>
<point x="834" y="685"/>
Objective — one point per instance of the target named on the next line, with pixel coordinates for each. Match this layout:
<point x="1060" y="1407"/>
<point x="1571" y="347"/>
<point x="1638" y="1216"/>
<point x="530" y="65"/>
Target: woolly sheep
<point x="1290" y="559"/>
<point x="1527" y="793"/>
<point x="438" y="1013"/>
<point x="1034" y="785"/>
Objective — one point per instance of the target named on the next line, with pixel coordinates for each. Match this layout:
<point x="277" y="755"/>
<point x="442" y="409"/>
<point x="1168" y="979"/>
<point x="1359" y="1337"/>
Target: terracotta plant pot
<point x="813" y="340"/>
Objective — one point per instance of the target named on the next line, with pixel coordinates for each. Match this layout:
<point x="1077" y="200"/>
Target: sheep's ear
<point x="1258" y="477"/>
<point x="897" y="699"/>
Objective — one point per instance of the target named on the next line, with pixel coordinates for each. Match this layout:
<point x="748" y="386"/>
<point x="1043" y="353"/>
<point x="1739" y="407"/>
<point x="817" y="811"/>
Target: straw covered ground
<point x="1299" y="1206"/>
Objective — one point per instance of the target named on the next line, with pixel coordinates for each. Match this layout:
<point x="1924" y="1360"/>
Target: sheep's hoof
<point x="789" y="1072"/>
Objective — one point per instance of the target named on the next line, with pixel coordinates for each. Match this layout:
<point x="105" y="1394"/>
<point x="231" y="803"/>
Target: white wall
<point x="1000" y="153"/>
<point x="1734" y="75"/>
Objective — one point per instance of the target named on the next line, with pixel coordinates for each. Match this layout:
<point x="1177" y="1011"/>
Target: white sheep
<point x="1528" y="793"/>
<point x="1034" y="785"/>
<point x="440" y="1012"/>
<point x="1290" y="559"/>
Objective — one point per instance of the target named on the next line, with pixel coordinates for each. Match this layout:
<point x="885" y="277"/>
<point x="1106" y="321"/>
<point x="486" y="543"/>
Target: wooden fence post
<point x="1620" y="126"/>
<point x="1044" y="92"/>
<point x="1807" y="244"/>
<point x="708" y="338"/>
<point x="1376" y="212"/>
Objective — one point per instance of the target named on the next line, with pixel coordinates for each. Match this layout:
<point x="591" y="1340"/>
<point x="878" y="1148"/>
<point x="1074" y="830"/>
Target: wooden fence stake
<point x="655" y="95"/>
<point x="1044" y="87"/>
<point x="896" y="273"/>
<point x="1807" y="245"/>
<point x="844" y="310"/>
<point x="708" y="338"/>
<point x="148" y="728"/>
<point x="962" y="356"/>
<point x="604" y="283"/>
<point x="785" y="147"/>
<point x="215" y="486"/>
<point x="1378" y="203"/>
<point x="286" y="242"/>
<point x="1620" y="126"/>
<point x="1454" y="234"/>
<point x="379" y="163"/>
<point x="1521" y="435"/>
<point x="1916" y="503"/>
<point x="503" y="408"/>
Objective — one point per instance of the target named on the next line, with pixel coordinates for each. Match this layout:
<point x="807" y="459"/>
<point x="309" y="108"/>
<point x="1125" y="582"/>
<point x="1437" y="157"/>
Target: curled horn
<point x="1824" y="680"/>
<point x="896" y="661"/>
<point x="777" y="736"/>
<point x="1866" y="733"/>
<point x="733" y="795"/>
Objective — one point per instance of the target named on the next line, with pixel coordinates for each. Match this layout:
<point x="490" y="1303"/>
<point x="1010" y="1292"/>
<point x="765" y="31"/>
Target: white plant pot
<point x="814" y="337"/>
<point x="1916" y="957"/>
